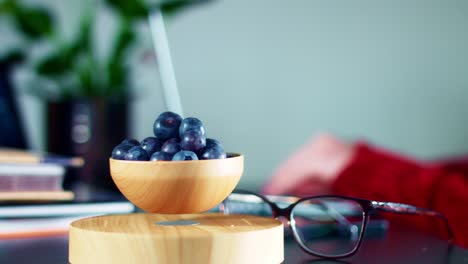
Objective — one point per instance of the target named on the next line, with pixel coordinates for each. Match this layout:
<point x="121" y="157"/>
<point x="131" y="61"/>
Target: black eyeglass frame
<point x="368" y="206"/>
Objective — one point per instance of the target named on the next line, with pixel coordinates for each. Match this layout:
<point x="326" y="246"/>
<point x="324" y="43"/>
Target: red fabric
<point x="381" y="175"/>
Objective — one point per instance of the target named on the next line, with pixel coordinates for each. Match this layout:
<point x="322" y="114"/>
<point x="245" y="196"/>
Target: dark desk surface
<point x="398" y="246"/>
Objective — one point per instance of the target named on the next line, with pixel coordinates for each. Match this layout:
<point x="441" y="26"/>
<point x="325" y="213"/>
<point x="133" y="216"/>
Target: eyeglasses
<point x="326" y="226"/>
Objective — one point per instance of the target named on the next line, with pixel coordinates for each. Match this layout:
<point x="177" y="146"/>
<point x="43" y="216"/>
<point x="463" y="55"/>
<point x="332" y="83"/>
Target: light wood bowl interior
<point x="176" y="187"/>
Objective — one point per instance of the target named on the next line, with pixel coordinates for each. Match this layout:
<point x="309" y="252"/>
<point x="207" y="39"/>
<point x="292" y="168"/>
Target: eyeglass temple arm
<point x="400" y="208"/>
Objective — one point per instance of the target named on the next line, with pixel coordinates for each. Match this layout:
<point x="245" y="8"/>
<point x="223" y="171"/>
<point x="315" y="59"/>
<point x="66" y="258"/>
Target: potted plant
<point x="86" y="97"/>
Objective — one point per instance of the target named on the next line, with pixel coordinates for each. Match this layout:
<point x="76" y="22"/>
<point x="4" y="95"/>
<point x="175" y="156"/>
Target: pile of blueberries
<point x="174" y="139"/>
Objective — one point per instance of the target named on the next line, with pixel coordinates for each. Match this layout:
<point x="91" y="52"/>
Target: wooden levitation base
<point x="176" y="239"/>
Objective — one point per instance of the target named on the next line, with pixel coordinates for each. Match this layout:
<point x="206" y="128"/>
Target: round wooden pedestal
<point x="175" y="239"/>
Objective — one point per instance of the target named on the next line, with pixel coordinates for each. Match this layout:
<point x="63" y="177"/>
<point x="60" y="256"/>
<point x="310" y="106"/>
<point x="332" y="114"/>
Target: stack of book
<point x="33" y="220"/>
<point x="33" y="202"/>
<point x="26" y="176"/>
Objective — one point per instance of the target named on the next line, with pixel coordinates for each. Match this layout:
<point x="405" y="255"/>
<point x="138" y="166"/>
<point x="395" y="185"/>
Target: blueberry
<point x="191" y="123"/>
<point x="210" y="142"/>
<point x="131" y="142"/>
<point x="185" y="155"/>
<point x="120" y="151"/>
<point x="161" y="156"/>
<point x="192" y="140"/>
<point x="171" y="146"/>
<point x="151" y="145"/>
<point x="212" y="153"/>
<point x="137" y="153"/>
<point x="167" y="125"/>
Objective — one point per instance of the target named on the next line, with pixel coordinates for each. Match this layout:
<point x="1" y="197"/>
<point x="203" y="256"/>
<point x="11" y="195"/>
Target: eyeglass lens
<point x="328" y="226"/>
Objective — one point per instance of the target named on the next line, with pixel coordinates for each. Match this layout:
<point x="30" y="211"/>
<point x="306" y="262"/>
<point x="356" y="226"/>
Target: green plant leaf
<point x="13" y="57"/>
<point x="125" y="37"/>
<point x="63" y="59"/>
<point x="117" y="72"/>
<point x="82" y="43"/>
<point x="58" y="62"/>
<point x="86" y="81"/>
<point x="55" y="64"/>
<point x="7" y="7"/>
<point x="34" y="22"/>
<point x="117" y="78"/>
<point x="133" y="9"/>
<point x="172" y="7"/>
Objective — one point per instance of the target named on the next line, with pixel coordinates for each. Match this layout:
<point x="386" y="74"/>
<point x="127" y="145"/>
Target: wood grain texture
<point x="134" y="238"/>
<point x="36" y="196"/>
<point x="176" y="187"/>
<point x="18" y="156"/>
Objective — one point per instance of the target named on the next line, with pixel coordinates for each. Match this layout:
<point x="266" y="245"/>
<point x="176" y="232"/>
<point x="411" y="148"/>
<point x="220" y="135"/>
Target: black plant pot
<point x="89" y="128"/>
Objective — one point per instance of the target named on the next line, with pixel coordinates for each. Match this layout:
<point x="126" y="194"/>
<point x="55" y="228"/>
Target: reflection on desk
<point x="399" y="245"/>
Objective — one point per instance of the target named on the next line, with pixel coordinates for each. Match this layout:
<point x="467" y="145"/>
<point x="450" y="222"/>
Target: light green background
<point x="267" y="75"/>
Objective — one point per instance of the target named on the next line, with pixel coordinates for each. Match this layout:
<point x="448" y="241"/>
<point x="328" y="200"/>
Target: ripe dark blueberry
<point x="192" y="140"/>
<point x="191" y="123"/>
<point x="210" y="142"/>
<point x="120" y="151"/>
<point x="171" y="146"/>
<point x="212" y="153"/>
<point x="185" y="155"/>
<point x="161" y="156"/>
<point x="167" y="125"/>
<point x="137" y="153"/>
<point x="151" y="145"/>
<point x="131" y="142"/>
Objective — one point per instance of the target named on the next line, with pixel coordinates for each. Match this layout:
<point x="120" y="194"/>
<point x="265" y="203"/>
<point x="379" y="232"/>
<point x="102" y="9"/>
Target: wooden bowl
<point x="176" y="187"/>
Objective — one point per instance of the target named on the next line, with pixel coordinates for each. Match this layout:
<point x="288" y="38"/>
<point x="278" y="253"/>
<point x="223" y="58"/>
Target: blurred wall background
<point x="267" y="75"/>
